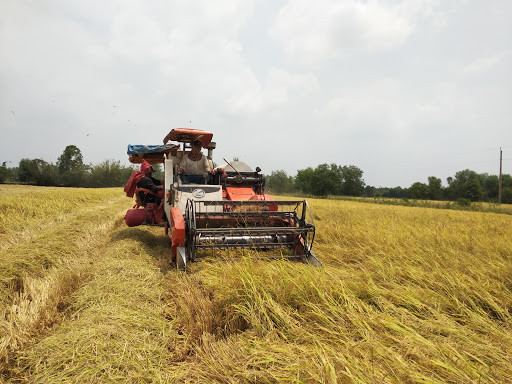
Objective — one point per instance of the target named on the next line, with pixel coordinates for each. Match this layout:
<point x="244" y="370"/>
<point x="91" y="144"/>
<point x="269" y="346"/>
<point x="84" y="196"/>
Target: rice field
<point x="405" y="295"/>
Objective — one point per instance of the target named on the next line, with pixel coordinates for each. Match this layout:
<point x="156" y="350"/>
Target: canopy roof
<point x="154" y="154"/>
<point x="187" y="135"/>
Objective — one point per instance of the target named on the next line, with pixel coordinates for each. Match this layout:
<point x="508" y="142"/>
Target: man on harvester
<point x="194" y="167"/>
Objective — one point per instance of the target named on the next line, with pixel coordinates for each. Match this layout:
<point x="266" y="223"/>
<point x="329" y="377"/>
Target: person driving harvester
<point x="194" y="167"/>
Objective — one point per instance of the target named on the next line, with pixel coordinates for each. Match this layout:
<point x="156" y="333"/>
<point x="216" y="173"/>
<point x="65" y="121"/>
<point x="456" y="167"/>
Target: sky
<point x="402" y="89"/>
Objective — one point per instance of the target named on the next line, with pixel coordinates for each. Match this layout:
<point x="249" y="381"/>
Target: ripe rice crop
<point x="406" y="295"/>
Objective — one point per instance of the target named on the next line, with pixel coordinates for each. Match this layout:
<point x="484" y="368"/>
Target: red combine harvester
<point x="231" y="211"/>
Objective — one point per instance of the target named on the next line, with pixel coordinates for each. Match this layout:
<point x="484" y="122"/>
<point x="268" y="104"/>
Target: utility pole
<point x="499" y="185"/>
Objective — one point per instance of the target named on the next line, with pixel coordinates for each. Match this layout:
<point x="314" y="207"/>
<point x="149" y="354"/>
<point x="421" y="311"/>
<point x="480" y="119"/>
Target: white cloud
<point x="331" y="28"/>
<point x="190" y="53"/>
<point x="280" y="89"/>
<point x="484" y="65"/>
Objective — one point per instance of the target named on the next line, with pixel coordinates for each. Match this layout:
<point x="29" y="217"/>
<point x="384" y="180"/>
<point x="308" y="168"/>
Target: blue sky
<point x="402" y="89"/>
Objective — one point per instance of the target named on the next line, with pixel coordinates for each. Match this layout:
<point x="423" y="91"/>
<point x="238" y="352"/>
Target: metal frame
<point x="251" y="224"/>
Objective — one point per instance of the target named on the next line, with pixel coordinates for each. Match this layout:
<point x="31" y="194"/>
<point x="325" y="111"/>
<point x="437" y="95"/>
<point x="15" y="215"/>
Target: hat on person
<point x="145" y="168"/>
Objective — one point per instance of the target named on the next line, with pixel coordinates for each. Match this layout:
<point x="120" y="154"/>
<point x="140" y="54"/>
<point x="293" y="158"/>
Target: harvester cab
<point x="225" y="215"/>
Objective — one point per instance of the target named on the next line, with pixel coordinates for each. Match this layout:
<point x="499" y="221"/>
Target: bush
<point x="463" y="202"/>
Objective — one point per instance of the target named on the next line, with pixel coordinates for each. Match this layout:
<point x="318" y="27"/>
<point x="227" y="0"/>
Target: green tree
<point x="279" y="182"/>
<point x="396" y="192"/>
<point x="322" y="181"/>
<point x="418" y="191"/>
<point x="435" y="189"/>
<point x="466" y="184"/>
<point x="109" y="173"/>
<point x="25" y="171"/>
<point x="506" y="180"/>
<point x="506" y="195"/>
<point x="4" y="173"/>
<point x="449" y="192"/>
<point x="71" y="166"/>
<point x="304" y="180"/>
<point x="490" y="186"/>
<point x="37" y="171"/>
<point x="326" y="180"/>
<point x="352" y="183"/>
<point x="369" y="191"/>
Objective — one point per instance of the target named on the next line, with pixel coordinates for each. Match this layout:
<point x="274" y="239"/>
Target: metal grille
<point x="283" y="227"/>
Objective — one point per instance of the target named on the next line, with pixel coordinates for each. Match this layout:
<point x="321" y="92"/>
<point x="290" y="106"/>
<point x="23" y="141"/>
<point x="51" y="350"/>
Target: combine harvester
<point x="230" y="212"/>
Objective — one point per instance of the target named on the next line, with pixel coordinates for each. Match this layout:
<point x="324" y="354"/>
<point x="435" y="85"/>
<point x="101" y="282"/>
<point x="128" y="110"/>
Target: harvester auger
<point x="230" y="212"/>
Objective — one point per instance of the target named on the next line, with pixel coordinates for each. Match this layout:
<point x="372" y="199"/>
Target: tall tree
<point x="71" y="166"/>
<point x="506" y="196"/>
<point x="279" y="182"/>
<point x="435" y="189"/>
<point x="327" y="180"/>
<point x="70" y="160"/>
<point x="418" y="191"/>
<point x="4" y="172"/>
<point x="490" y="186"/>
<point x="322" y="181"/>
<point x="352" y="181"/>
<point x="304" y="180"/>
<point x="466" y="184"/>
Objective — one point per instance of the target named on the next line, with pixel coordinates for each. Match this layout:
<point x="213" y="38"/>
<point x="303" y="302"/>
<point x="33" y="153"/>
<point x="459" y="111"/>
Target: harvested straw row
<point x="38" y="275"/>
<point x="117" y="330"/>
<point x="26" y="211"/>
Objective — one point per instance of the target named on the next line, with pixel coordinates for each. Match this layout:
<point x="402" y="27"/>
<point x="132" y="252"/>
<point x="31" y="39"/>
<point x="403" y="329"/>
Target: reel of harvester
<point x="275" y="229"/>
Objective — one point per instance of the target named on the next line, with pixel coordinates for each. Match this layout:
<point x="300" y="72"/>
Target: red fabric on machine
<point x="129" y="188"/>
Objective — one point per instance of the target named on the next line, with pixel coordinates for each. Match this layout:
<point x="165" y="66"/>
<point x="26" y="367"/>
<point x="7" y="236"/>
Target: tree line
<point x="323" y="180"/>
<point x="69" y="171"/>
<point x="333" y="179"/>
